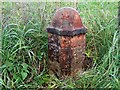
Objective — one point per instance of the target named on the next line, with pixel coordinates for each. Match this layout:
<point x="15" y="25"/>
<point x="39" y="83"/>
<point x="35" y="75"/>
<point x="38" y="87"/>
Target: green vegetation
<point x="24" y="45"/>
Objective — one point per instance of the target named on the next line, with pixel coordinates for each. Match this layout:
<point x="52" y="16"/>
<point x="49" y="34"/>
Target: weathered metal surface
<point x="66" y="52"/>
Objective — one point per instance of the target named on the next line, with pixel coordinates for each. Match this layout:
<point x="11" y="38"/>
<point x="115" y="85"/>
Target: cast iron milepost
<point x="66" y="43"/>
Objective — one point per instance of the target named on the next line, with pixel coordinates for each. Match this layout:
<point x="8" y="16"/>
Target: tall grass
<point x="24" y="45"/>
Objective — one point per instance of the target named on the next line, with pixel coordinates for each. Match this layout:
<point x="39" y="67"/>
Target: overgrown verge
<point x="24" y="46"/>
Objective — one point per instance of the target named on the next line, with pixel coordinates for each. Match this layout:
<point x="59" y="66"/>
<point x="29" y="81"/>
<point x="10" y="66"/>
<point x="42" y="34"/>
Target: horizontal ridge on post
<point x="67" y="32"/>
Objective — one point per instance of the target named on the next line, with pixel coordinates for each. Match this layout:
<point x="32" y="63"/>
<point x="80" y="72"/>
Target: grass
<point x="24" y="45"/>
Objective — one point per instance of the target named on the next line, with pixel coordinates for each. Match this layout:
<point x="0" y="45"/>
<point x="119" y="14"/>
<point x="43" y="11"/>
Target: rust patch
<point x="67" y="19"/>
<point x="53" y="45"/>
<point x="65" y="61"/>
<point x="65" y="55"/>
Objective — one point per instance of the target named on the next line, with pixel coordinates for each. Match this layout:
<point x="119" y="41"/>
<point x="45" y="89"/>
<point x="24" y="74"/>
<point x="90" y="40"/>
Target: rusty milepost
<point x="66" y="43"/>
